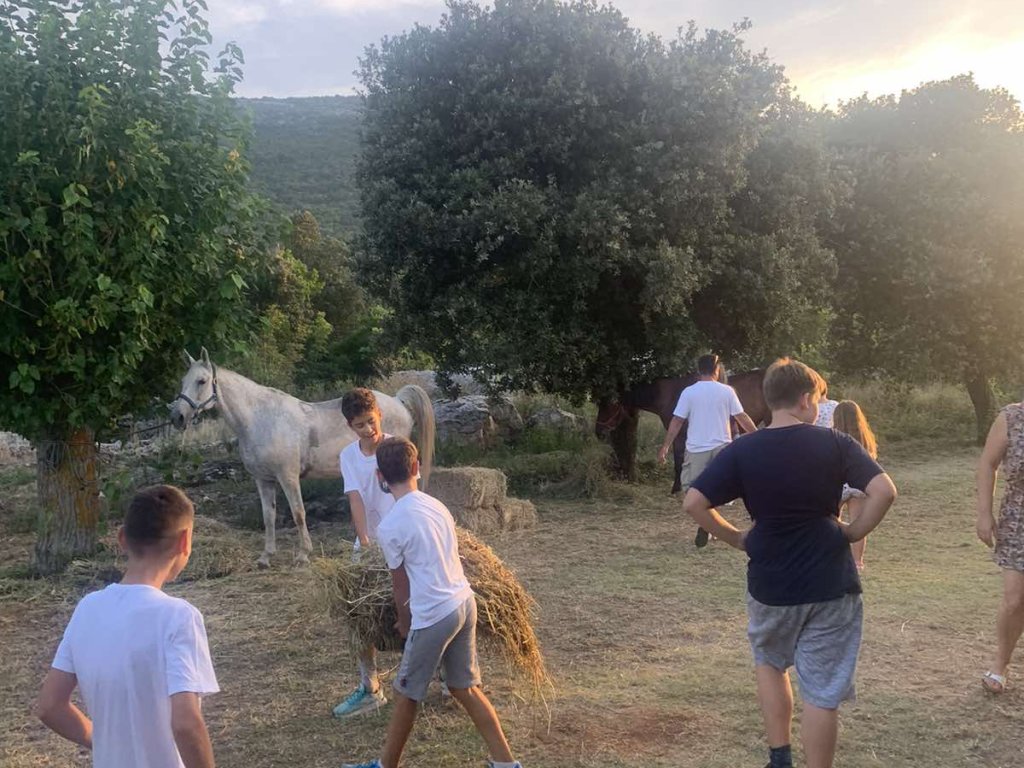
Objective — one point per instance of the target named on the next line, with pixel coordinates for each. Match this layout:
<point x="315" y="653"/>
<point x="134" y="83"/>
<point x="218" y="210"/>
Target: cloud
<point x="832" y="49"/>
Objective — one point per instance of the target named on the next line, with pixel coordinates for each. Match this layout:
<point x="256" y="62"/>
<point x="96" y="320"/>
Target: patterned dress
<point x="1009" y="551"/>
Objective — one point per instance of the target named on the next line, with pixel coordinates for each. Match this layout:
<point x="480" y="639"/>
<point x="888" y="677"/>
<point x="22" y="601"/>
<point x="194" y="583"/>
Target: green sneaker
<point x="359" y="702"/>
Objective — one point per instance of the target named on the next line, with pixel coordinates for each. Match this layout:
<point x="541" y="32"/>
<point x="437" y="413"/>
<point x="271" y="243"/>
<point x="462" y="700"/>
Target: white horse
<point x="282" y="438"/>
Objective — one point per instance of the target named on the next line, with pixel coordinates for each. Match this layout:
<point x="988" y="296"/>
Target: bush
<point x="898" y="411"/>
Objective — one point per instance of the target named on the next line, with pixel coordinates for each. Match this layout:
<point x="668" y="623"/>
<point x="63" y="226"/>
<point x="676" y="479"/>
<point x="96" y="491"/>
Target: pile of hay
<point x="216" y="552"/>
<point x="478" y="499"/>
<point x="359" y="594"/>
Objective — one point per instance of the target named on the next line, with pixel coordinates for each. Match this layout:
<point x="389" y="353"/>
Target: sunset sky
<point x="831" y="49"/>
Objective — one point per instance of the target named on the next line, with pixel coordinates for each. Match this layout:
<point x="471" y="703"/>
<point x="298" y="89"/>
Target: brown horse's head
<point x="609" y="415"/>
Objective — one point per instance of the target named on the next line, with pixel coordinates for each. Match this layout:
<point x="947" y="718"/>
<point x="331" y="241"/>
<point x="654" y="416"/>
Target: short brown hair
<point x="707" y="365"/>
<point x="356" y="402"/>
<point x="154" y="516"/>
<point x="786" y="380"/>
<point x="395" y="457"/>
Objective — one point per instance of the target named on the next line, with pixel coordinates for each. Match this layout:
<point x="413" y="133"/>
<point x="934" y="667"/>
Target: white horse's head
<point x="198" y="391"/>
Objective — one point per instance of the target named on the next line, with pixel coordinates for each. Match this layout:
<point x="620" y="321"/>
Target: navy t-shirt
<point x="791" y="480"/>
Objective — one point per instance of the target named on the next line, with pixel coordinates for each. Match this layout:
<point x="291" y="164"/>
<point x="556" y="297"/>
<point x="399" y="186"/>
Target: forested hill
<point x="303" y="156"/>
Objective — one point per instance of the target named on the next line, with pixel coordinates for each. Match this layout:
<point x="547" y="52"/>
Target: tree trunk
<point x="69" y="504"/>
<point x="623" y="440"/>
<point x="983" y="398"/>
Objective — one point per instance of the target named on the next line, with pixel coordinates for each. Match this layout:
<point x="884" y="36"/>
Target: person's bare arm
<point x="879" y="496"/>
<point x="58" y="713"/>
<point x="355" y="503"/>
<point x="697" y="506"/>
<point x="400" y="587"/>
<point x="988" y="467"/>
<point x="670" y="436"/>
<point x="746" y="423"/>
<point x="189" y="729"/>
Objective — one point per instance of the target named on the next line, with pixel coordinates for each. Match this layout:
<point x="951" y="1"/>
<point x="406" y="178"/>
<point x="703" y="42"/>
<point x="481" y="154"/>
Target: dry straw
<point x="359" y="594"/>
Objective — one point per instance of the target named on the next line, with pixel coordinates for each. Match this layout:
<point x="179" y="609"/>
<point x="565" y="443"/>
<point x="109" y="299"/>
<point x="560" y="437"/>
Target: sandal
<point x="993" y="683"/>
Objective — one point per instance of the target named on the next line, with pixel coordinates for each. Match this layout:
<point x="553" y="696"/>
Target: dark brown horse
<point x="617" y="420"/>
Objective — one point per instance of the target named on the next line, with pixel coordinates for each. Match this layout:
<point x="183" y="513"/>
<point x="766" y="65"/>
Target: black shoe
<point x="701" y="539"/>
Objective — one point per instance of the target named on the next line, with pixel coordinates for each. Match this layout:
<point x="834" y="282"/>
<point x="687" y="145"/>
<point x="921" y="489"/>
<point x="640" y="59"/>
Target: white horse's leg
<point x="268" y="500"/>
<point x="293" y="492"/>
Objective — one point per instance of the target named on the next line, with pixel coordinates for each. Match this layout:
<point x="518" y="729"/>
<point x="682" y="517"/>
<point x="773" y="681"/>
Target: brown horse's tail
<point x="415" y="399"/>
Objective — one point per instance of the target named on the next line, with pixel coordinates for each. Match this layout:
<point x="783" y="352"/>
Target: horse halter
<point x="198" y="408"/>
<point x="615" y="417"/>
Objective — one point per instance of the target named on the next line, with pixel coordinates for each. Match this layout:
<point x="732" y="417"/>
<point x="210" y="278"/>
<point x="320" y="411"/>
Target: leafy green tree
<point x="558" y="202"/>
<point x="124" y="220"/>
<point x="292" y="327"/>
<point x="930" y="239"/>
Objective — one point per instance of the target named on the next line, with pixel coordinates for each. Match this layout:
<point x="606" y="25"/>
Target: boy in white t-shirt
<point x="436" y="608"/>
<point x="706" y="408"/>
<point x="369" y="505"/>
<point x="139" y="656"/>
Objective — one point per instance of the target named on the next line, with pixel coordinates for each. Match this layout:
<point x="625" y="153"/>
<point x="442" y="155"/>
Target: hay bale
<point x="479" y="520"/>
<point x="469" y="487"/>
<point x="359" y="594"/>
<point x="517" y="514"/>
<point x="508" y="515"/>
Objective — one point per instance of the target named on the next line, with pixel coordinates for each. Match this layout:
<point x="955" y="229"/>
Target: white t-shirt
<point x="132" y="647"/>
<point x="707" y="407"/>
<point x="419" y="533"/>
<point x="359" y="472"/>
<point x="826" y="408"/>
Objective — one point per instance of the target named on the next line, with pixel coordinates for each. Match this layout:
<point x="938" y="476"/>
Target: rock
<point x="466" y="420"/>
<point x="476" y="418"/>
<point x="425" y="379"/>
<point x="554" y="418"/>
<point x="15" y="449"/>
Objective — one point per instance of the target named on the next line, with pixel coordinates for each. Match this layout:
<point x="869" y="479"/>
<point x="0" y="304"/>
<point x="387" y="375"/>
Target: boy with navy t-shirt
<point x="803" y="602"/>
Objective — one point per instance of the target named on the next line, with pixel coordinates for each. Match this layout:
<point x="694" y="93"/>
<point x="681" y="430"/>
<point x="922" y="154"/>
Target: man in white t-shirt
<point x="705" y="408"/>
<point x="139" y="656"/>
<point x="369" y="504"/>
<point x="436" y="608"/>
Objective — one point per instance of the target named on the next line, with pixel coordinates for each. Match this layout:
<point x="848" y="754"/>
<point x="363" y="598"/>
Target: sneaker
<point x="359" y="702"/>
<point x="372" y="764"/>
<point x="701" y="539"/>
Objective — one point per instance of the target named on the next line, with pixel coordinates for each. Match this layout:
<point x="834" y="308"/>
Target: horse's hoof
<point x="302" y="559"/>
<point x="263" y="563"/>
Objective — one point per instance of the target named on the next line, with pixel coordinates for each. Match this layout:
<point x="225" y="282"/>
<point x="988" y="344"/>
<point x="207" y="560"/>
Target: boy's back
<point x="419" y="534"/>
<point x="132" y="647"/>
<point x="791" y="480"/>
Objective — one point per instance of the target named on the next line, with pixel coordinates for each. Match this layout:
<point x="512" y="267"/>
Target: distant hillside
<point x="304" y="153"/>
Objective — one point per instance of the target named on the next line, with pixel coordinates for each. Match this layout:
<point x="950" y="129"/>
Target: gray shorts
<point x="822" y="640"/>
<point x="450" y="643"/>
<point x="694" y="464"/>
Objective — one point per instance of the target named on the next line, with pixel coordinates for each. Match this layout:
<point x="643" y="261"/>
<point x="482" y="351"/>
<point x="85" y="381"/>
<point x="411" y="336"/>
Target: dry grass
<point x="643" y="634"/>
<point x="358" y="595"/>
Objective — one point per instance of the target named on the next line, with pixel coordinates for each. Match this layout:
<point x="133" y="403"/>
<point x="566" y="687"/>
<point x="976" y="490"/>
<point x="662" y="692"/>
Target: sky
<point x="832" y="50"/>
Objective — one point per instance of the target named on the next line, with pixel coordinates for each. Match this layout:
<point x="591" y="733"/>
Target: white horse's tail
<point x="415" y="399"/>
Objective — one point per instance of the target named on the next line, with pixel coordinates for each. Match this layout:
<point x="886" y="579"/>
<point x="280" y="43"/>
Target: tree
<point x="123" y="227"/>
<point x="556" y="202"/>
<point x="930" y="239"/>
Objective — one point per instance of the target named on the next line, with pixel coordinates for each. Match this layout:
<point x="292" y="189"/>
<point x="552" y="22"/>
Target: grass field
<point x="644" y="636"/>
